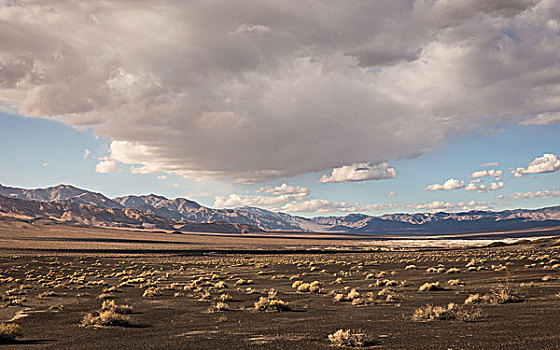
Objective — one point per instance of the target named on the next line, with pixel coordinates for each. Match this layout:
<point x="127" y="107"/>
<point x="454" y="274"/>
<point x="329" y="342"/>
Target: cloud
<point x="274" y="203"/>
<point x="484" y="173"/>
<point x="484" y="188"/>
<point x="162" y="177"/>
<point x="548" y="163"/>
<point x="86" y="153"/>
<point x="543" y="119"/>
<point x="45" y="165"/>
<point x="447" y="206"/>
<point x="391" y="194"/>
<point x="324" y="206"/>
<point x="451" y="184"/>
<point x="106" y="166"/>
<point x="199" y="194"/>
<point x="490" y="164"/>
<point x="301" y="87"/>
<point x="246" y="28"/>
<point x="532" y="195"/>
<point x="285" y="189"/>
<point x="360" y="172"/>
<point x="295" y="203"/>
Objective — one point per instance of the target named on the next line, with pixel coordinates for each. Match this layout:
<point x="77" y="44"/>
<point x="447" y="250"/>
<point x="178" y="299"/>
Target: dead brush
<point x="431" y="286"/>
<point x="104" y="319"/>
<point x="271" y="305"/>
<point x="9" y="332"/>
<point x="110" y="305"/>
<point x="346" y="338"/>
<point x="450" y="312"/>
<point x="219" y="307"/>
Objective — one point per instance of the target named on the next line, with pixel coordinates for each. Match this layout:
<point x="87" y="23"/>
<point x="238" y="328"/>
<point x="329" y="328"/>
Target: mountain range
<point x="66" y="203"/>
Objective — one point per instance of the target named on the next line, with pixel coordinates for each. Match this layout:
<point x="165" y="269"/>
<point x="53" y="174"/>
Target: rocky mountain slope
<point x="90" y="215"/>
<point x="149" y="207"/>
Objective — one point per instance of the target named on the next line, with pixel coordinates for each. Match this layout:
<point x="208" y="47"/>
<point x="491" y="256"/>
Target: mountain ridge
<point x="185" y="210"/>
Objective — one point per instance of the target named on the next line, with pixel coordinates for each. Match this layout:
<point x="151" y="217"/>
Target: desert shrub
<point x="47" y="294"/>
<point x="450" y="312"/>
<point x="220" y="306"/>
<point x="430" y="286"/>
<point x="313" y="287"/>
<point x="152" y="292"/>
<point x="242" y="282"/>
<point x="347" y="338"/>
<point x="473" y="299"/>
<point x="110" y="305"/>
<point x="453" y="270"/>
<point x="266" y="304"/>
<point x="105" y="318"/>
<point x="456" y="282"/>
<point x="410" y="267"/>
<point x="503" y="295"/>
<point x="353" y="294"/>
<point x="9" y="332"/>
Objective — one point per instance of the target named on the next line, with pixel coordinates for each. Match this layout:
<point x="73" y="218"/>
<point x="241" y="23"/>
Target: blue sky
<point x="29" y="143"/>
<point x="315" y="109"/>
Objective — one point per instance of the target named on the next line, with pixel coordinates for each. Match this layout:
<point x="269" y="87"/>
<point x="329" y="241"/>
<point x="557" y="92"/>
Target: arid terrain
<point x="86" y="288"/>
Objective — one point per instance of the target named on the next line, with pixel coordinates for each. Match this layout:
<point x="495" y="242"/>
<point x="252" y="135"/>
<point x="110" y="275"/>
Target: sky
<point x="311" y="108"/>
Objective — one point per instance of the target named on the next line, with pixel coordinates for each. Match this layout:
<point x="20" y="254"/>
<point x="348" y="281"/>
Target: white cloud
<point x="285" y="189"/>
<point x="45" y="165"/>
<point x="447" y="206"/>
<point x="548" y="163"/>
<point x="247" y="28"/>
<point x="199" y="194"/>
<point x="360" y="172"/>
<point x="86" y="153"/>
<point x="490" y="164"/>
<point x="391" y="194"/>
<point x="295" y="203"/>
<point x="485" y="188"/>
<point x="451" y="184"/>
<point x="531" y="195"/>
<point x="324" y="206"/>
<point x="274" y="203"/>
<point x="106" y="166"/>
<point x="543" y="119"/>
<point x="162" y="177"/>
<point x="484" y="173"/>
<point x="328" y="84"/>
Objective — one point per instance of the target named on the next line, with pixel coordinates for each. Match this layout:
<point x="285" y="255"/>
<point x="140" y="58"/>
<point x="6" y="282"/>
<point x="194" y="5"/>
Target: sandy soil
<point x="48" y="292"/>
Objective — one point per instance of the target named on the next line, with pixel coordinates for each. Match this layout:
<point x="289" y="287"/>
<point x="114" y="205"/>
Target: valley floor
<point x="203" y="299"/>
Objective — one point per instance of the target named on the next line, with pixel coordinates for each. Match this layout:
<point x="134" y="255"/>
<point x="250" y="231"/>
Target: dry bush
<point x="9" y="332"/>
<point x="347" y="338"/>
<point x="220" y="306"/>
<point x="450" y="312"/>
<point x="353" y="294"/>
<point x="110" y="305"/>
<point x="313" y="287"/>
<point x="105" y="318"/>
<point x="266" y="304"/>
<point x="242" y="282"/>
<point x="456" y="282"/>
<point x="430" y="286"/>
<point x="151" y="292"/>
<point x="500" y="295"/>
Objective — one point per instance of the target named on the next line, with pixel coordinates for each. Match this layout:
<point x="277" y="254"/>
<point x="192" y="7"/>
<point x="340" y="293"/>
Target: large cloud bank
<point x="254" y="92"/>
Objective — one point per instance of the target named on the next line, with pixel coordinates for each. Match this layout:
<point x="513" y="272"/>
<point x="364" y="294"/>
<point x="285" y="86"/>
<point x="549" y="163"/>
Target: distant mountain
<point x="89" y="215"/>
<point x="181" y="210"/>
<point x="60" y="193"/>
